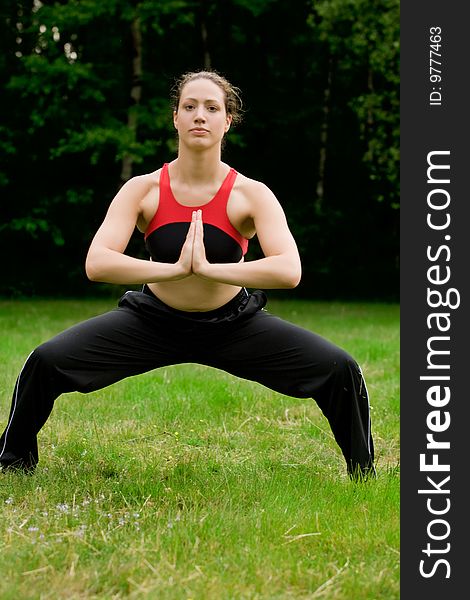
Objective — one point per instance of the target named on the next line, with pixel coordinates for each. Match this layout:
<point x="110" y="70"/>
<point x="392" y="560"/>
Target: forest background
<point x="85" y="105"/>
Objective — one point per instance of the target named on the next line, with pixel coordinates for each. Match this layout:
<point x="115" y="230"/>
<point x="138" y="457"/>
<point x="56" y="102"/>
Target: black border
<point x="426" y="128"/>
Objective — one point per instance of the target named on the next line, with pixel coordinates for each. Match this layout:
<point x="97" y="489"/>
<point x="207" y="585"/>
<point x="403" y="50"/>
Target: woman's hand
<point x="185" y="262"/>
<point x="200" y="264"/>
<point x="193" y="259"/>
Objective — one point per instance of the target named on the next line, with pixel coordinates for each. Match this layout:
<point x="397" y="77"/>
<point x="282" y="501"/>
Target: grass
<point x="187" y="483"/>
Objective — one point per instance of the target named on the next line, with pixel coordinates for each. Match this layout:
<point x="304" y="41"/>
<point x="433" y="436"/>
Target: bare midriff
<point x="193" y="294"/>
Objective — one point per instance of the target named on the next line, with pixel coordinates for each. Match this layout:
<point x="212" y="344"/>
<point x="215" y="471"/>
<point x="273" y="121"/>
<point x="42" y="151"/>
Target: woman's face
<point x="201" y="119"/>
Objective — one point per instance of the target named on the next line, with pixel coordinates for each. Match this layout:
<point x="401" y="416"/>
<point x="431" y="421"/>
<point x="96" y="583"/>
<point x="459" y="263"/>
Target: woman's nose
<point x="199" y="115"/>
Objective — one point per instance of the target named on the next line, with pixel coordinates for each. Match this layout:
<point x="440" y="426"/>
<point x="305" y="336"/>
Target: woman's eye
<point x="212" y="108"/>
<point x="188" y="107"/>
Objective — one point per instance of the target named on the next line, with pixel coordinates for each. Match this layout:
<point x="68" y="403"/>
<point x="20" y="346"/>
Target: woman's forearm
<point x="109" y="266"/>
<point x="272" y="272"/>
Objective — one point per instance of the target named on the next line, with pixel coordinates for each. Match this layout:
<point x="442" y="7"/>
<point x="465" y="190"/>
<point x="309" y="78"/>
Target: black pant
<point x="143" y="333"/>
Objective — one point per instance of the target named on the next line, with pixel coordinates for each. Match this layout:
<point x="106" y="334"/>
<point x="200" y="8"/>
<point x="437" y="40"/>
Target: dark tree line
<point x="85" y="105"/>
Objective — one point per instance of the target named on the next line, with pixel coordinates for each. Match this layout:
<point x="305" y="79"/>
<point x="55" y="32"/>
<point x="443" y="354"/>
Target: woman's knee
<point x="48" y="354"/>
<point x="336" y="367"/>
<point x="344" y="362"/>
<point x="42" y="354"/>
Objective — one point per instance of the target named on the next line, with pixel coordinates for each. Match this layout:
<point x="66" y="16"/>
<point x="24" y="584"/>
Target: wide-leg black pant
<point x="143" y="333"/>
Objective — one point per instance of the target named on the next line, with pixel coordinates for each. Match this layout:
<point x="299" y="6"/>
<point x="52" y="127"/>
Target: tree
<point x="86" y="94"/>
<point x="363" y="36"/>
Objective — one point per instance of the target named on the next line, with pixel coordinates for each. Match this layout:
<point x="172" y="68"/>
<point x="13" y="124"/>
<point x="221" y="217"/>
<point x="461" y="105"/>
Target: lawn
<point x="187" y="483"/>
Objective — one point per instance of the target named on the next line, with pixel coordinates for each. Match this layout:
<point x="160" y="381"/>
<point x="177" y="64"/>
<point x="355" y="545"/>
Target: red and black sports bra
<point x="165" y="235"/>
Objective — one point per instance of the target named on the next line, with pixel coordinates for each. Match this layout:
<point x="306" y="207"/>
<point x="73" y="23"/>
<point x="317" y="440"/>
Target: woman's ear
<point x="228" y="122"/>
<point x="175" y="119"/>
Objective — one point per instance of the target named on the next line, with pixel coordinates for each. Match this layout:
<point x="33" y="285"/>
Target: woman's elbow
<point x="92" y="268"/>
<point x="296" y="280"/>
<point x="91" y="273"/>
<point x="292" y="282"/>
<point x="292" y="277"/>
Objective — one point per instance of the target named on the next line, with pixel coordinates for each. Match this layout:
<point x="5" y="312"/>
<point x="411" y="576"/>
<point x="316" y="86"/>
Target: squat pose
<point x="197" y="215"/>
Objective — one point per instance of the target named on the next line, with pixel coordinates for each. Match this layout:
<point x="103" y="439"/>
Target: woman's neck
<point x="198" y="167"/>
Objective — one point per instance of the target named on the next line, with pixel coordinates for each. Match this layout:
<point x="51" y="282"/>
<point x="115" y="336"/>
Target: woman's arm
<point x="106" y="260"/>
<point x="281" y="267"/>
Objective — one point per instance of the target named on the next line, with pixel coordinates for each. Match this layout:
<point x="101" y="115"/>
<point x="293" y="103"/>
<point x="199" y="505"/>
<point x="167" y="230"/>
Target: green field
<point x="187" y="483"/>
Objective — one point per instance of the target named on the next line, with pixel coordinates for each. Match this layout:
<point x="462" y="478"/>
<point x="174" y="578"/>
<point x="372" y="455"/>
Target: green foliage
<point x="363" y="36"/>
<point x="255" y="7"/>
<point x="67" y="73"/>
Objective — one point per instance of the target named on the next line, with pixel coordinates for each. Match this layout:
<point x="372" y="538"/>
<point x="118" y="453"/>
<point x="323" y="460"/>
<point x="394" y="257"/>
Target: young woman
<point x="197" y="215"/>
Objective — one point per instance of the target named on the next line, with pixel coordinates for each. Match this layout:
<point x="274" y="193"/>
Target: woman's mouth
<point x="199" y="130"/>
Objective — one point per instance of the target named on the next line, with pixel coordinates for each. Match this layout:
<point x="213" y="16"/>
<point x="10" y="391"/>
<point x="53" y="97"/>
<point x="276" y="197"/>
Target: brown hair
<point x="233" y="101"/>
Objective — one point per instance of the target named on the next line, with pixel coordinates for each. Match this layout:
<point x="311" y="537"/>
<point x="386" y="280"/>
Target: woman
<point x="197" y="215"/>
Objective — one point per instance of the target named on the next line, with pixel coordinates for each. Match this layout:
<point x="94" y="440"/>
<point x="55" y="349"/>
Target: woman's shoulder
<point x="144" y="182"/>
<point x="140" y="190"/>
<point x="250" y="185"/>
<point x="253" y="190"/>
